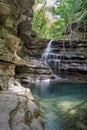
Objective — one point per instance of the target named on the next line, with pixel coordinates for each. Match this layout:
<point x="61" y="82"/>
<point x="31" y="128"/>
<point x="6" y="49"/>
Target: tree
<point x="64" y="12"/>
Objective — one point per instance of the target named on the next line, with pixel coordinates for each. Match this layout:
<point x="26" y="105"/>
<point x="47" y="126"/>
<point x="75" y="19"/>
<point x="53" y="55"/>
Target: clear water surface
<point x="63" y="106"/>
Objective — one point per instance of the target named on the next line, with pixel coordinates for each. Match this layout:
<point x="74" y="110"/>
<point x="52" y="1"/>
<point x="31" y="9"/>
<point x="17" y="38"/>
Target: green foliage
<point x="39" y="23"/>
<point x="68" y="10"/>
<point x="84" y="14"/>
<point x="57" y="28"/>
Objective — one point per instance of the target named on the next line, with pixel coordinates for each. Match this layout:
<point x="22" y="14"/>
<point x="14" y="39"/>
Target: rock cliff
<point x="71" y="53"/>
<point x="8" y="48"/>
<point x="17" y="108"/>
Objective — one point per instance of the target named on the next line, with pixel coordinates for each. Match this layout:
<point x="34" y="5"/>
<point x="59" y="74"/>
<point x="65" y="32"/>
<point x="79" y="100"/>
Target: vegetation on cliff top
<point x="51" y="21"/>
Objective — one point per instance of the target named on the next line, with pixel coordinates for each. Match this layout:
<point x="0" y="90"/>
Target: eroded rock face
<point x="18" y="110"/>
<point x="4" y="12"/>
<point x="68" y="59"/>
<point x="6" y="73"/>
<point x="9" y="42"/>
<point x="33" y="71"/>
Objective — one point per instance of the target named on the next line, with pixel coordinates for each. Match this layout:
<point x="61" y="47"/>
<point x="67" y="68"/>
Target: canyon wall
<point x="17" y="107"/>
<point x="17" y="39"/>
<point x="72" y="53"/>
<point x="15" y="26"/>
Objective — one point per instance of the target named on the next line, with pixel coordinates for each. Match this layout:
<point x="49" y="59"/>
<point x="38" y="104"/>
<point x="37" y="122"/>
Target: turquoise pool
<point x="63" y="106"/>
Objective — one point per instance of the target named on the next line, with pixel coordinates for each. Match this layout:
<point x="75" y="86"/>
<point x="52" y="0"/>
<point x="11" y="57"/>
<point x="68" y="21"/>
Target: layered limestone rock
<point x="37" y="47"/>
<point x="6" y="68"/>
<point x="78" y="32"/>
<point x="34" y="69"/>
<point x="8" y="48"/>
<point x="70" y="61"/>
<point x="18" y="110"/>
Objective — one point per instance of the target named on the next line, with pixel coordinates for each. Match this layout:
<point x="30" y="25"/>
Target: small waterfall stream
<point x="52" y="60"/>
<point x="65" y="64"/>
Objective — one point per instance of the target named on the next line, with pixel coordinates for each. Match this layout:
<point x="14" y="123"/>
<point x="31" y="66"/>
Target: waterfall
<point x="52" y="60"/>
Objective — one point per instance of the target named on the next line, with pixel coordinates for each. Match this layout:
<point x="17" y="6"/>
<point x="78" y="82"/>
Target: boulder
<point x="18" y="110"/>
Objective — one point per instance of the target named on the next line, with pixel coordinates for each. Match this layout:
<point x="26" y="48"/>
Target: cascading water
<point x="52" y="60"/>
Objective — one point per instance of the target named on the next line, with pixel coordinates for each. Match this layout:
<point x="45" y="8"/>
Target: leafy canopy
<point x="62" y="13"/>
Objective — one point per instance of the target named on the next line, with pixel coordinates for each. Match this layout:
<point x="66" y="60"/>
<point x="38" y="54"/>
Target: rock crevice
<point x="18" y="110"/>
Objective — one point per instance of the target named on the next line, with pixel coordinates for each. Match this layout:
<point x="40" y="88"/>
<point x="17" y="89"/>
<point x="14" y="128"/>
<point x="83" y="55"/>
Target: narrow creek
<point x="62" y="105"/>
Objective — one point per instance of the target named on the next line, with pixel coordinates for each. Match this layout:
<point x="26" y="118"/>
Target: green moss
<point x="4" y="51"/>
<point x="4" y="34"/>
<point x="2" y="41"/>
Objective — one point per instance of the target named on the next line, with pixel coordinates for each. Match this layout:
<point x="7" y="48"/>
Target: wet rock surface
<point x="68" y="61"/>
<point x="67" y="58"/>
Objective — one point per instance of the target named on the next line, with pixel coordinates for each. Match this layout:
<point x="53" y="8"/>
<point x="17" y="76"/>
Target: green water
<point x="63" y="106"/>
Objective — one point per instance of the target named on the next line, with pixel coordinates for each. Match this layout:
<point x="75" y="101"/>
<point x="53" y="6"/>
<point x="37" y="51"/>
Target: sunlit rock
<point x="17" y="109"/>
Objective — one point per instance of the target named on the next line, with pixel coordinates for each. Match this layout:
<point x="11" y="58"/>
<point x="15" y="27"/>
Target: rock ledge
<point x="18" y="110"/>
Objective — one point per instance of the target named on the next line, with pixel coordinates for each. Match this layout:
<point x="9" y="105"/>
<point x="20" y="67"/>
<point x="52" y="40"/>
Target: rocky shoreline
<point x="18" y="110"/>
<point x="20" y="58"/>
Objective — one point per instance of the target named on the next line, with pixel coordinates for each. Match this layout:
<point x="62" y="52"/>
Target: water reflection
<point x="62" y="105"/>
<point x="44" y="84"/>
